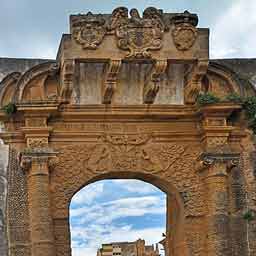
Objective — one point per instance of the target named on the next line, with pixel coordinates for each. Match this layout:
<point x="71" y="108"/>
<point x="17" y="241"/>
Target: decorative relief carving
<point x="125" y="139"/>
<point x="89" y="30"/>
<point x="123" y="153"/>
<point x="184" y="36"/>
<point x="118" y="18"/>
<point x="25" y="162"/>
<point x="208" y="159"/>
<point x="185" y="32"/>
<point x="138" y="35"/>
<point x="37" y="142"/>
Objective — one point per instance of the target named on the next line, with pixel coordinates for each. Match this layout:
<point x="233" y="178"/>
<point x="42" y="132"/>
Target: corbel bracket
<point x="152" y="87"/>
<point x="193" y="81"/>
<point x="67" y="80"/>
<point x="109" y="85"/>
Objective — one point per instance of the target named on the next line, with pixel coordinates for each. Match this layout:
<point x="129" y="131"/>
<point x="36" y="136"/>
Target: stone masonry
<point x="3" y="194"/>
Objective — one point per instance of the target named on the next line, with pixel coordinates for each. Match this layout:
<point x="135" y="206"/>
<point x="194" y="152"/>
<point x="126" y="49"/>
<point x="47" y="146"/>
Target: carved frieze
<point x="75" y="165"/>
<point x="185" y="32"/>
<point x="89" y="30"/>
<point x="37" y="142"/>
<point x="128" y="152"/>
<point x="138" y="35"/>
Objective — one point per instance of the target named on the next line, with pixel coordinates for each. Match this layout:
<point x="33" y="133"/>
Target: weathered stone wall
<point x="3" y="194"/>
<point x="248" y="172"/>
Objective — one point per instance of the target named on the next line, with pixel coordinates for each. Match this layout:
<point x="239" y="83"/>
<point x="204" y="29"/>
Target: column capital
<point x="30" y="156"/>
<point x="207" y="160"/>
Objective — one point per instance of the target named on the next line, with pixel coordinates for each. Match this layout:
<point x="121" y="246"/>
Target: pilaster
<point x="215" y="164"/>
<point x="34" y="160"/>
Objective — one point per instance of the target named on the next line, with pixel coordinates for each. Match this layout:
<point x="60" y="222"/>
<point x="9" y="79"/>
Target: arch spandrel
<point x="164" y="161"/>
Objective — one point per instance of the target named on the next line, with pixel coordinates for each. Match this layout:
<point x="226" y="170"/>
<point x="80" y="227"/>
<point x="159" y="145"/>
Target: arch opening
<point x="109" y="210"/>
<point x="116" y="211"/>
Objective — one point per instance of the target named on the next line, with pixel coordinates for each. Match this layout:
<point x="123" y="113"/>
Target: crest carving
<point x="138" y="35"/>
<point x="185" y="31"/>
<point x="89" y="30"/>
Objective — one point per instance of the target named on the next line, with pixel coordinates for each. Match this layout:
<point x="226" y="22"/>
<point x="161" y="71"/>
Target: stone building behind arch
<point x="119" y="101"/>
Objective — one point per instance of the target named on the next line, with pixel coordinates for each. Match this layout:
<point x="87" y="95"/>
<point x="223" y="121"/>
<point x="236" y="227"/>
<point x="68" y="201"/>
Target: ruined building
<point x="121" y="100"/>
<point x="137" y="248"/>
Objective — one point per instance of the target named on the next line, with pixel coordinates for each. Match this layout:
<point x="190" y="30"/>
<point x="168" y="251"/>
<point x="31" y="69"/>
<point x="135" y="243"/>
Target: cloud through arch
<point x="116" y="210"/>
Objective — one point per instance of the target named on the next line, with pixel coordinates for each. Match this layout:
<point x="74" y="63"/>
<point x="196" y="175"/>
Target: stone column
<point x="3" y="193"/>
<point x="220" y="154"/>
<point x="215" y="178"/>
<point x="41" y="227"/>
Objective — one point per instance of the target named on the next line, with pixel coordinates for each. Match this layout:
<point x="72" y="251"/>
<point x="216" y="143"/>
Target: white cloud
<point x="233" y="34"/>
<point x="109" y="211"/>
<point x="136" y="186"/>
<point x="88" y="194"/>
<point x="94" y="220"/>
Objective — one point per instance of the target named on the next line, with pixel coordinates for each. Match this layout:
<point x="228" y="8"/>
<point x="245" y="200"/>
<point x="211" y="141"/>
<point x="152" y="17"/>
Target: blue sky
<point x="32" y="28"/>
<point x="116" y="210"/>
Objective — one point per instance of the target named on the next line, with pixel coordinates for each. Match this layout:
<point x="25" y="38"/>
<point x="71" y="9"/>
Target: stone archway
<point x="175" y="214"/>
<point x="113" y="105"/>
<point x="132" y="152"/>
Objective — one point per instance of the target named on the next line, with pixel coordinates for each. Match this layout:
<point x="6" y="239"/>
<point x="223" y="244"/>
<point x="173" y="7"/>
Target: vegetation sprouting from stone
<point x="233" y="97"/>
<point x="206" y="99"/>
<point x="9" y="109"/>
<point x="249" y="105"/>
<point x="249" y="216"/>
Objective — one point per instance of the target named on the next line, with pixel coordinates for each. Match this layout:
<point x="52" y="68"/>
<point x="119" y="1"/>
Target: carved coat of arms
<point x="185" y="32"/>
<point x="138" y="35"/>
<point x="89" y="30"/>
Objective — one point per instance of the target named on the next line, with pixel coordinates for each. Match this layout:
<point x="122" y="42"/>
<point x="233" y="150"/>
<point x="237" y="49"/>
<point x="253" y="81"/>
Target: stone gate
<point x="119" y="101"/>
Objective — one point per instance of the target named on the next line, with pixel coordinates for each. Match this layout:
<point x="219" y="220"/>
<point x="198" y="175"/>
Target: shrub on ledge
<point x="234" y="98"/>
<point x="206" y="99"/>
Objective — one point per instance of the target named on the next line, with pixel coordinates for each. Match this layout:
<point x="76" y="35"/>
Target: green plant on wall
<point x="249" y="215"/>
<point x="234" y="98"/>
<point x="206" y="99"/>
<point x="249" y="105"/>
<point x="9" y="109"/>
